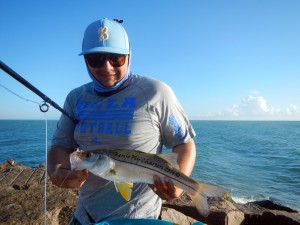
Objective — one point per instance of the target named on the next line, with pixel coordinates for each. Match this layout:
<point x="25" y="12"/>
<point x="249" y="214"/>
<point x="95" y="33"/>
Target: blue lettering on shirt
<point x="175" y="126"/>
<point x="111" y="104"/>
<point x="129" y="103"/>
<point x="110" y="117"/>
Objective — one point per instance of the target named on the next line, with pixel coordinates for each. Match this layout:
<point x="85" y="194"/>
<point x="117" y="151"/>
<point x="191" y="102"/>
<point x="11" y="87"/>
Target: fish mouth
<point x="75" y="160"/>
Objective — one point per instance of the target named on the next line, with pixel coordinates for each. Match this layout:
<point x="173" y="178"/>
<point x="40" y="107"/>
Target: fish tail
<point x="199" y="197"/>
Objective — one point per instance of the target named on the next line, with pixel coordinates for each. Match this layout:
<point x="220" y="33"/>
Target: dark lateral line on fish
<point x="162" y="172"/>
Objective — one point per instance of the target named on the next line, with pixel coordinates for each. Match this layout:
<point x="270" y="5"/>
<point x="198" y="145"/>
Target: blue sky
<point x="235" y="60"/>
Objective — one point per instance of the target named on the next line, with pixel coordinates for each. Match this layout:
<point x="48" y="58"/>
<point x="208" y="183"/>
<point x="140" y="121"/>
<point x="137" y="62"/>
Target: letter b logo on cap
<point x="103" y="33"/>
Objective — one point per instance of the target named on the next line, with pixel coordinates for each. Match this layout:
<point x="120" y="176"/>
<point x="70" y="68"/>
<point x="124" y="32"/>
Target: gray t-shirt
<point x="145" y="115"/>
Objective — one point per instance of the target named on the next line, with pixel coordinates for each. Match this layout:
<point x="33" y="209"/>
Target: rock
<point x="173" y="215"/>
<point x="222" y="211"/>
<point x="274" y="206"/>
<point x="255" y="214"/>
<point x="11" y="162"/>
<point x="229" y="212"/>
<point x="22" y="197"/>
<point x="280" y="218"/>
<point x="183" y="205"/>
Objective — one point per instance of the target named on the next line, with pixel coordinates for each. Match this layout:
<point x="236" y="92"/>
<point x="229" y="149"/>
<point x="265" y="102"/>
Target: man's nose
<point x="106" y="64"/>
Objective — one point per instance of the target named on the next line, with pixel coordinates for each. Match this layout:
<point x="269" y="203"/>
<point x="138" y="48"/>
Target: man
<point x="118" y="110"/>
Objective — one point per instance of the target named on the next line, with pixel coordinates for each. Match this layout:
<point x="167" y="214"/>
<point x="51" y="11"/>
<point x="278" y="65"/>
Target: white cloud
<point x="255" y="107"/>
<point x="293" y="110"/>
<point x="251" y="105"/>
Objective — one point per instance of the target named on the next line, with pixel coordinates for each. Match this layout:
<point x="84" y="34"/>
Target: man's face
<point x="105" y="67"/>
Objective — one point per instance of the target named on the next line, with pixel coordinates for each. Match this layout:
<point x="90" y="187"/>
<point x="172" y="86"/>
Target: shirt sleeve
<point x="174" y="124"/>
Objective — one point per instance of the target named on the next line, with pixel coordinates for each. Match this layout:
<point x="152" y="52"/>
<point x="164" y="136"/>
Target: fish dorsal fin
<point x="170" y="158"/>
<point x="125" y="189"/>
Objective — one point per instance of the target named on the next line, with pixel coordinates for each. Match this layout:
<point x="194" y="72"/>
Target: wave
<point x="246" y="199"/>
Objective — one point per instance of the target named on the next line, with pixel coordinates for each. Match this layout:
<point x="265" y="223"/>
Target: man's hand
<point x="166" y="191"/>
<point x="59" y="169"/>
<point x="67" y="178"/>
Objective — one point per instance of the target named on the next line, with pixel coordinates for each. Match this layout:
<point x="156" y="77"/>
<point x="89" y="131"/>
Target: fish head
<point x="83" y="160"/>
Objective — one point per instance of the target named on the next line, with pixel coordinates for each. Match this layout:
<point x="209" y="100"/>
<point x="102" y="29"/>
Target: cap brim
<point x="105" y="49"/>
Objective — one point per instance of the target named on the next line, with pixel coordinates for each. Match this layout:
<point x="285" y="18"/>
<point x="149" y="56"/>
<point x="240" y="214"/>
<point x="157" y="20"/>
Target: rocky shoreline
<point x="22" y="202"/>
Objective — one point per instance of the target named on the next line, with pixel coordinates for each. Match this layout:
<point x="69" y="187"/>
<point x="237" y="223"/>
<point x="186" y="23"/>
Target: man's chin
<point x="108" y="84"/>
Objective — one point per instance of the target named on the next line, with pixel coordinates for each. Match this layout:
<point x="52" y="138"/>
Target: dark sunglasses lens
<point x="117" y="60"/>
<point x="97" y="60"/>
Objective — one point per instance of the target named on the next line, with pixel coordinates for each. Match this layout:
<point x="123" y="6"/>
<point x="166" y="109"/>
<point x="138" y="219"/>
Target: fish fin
<point x="170" y="158"/>
<point x="116" y="186"/>
<point x="125" y="189"/>
<point x="199" y="197"/>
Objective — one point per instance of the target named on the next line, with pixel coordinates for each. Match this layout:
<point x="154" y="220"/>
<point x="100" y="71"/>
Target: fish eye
<point x="88" y="155"/>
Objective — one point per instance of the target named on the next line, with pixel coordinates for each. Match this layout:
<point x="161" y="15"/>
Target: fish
<point x="126" y="167"/>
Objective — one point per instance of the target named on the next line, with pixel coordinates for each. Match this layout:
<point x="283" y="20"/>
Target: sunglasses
<point x="97" y="60"/>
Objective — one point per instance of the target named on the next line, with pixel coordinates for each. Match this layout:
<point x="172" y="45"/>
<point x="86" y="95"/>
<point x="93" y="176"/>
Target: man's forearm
<point x="186" y="156"/>
<point x="58" y="155"/>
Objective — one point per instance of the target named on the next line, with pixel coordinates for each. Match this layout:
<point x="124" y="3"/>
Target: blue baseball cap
<point x="105" y="36"/>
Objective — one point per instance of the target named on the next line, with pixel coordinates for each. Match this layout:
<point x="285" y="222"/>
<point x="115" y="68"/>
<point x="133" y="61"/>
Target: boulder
<point x="221" y="211"/>
<point x="224" y="212"/>
<point x="173" y="215"/>
<point x="268" y="212"/>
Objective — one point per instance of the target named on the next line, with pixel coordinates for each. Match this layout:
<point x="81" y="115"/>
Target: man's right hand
<point x="59" y="169"/>
<point x="66" y="178"/>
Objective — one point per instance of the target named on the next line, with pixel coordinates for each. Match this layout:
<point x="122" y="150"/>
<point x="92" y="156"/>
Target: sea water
<point x="253" y="160"/>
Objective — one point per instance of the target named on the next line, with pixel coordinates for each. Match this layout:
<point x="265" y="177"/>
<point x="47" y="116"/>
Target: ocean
<point x="253" y="160"/>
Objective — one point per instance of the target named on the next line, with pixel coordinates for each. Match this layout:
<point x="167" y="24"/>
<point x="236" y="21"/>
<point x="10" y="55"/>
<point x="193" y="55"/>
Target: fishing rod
<point x="43" y="106"/>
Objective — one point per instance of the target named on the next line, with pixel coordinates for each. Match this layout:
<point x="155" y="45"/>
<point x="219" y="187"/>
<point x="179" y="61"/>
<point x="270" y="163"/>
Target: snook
<point x="125" y="167"/>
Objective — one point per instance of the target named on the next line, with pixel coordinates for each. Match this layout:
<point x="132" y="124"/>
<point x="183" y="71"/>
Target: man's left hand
<point x="166" y="191"/>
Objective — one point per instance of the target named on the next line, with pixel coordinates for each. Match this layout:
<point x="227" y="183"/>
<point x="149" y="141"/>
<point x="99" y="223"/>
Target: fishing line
<point x="28" y="100"/>
<point x="46" y="164"/>
<point x="68" y="174"/>
<point x="44" y="107"/>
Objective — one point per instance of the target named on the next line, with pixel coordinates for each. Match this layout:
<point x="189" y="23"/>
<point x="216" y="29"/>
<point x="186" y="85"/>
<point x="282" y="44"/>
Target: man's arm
<point x="186" y="161"/>
<point x="59" y="168"/>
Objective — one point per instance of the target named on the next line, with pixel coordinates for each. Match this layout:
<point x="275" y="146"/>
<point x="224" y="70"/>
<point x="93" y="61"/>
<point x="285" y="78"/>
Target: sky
<point x="225" y="60"/>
